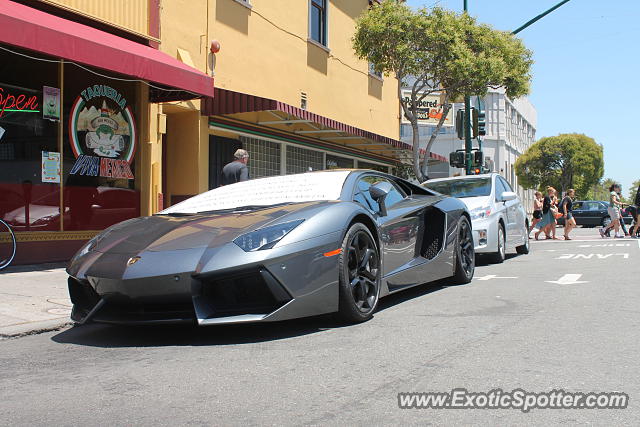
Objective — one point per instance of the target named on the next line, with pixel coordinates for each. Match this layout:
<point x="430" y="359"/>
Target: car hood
<point x="476" y="202"/>
<point x="169" y="233"/>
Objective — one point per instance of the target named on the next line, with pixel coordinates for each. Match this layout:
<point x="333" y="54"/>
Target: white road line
<point x="568" y="279"/>
<point x="492" y="276"/>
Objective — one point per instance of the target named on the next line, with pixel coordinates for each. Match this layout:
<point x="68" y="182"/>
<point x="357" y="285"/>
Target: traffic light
<point x="456" y="159"/>
<point x="477" y="159"/>
<point x="474" y="122"/>
<point x="460" y="123"/>
<point x="482" y="123"/>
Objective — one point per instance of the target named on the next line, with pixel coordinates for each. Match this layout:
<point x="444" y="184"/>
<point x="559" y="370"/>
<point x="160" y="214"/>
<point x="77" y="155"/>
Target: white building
<point x="511" y="129"/>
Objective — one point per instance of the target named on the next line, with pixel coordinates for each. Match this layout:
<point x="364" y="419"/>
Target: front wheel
<point x="524" y="249"/>
<point x="359" y="274"/>
<point x="465" y="260"/>
<point x="7" y="245"/>
<point x="499" y="256"/>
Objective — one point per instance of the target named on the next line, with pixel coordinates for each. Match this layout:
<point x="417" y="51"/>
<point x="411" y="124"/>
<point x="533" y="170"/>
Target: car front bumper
<point x="485" y="235"/>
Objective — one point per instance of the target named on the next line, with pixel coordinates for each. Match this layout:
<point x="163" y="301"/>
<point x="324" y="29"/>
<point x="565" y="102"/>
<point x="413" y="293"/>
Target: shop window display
<point x="301" y="160"/>
<point x="28" y="201"/>
<point x="100" y="142"/>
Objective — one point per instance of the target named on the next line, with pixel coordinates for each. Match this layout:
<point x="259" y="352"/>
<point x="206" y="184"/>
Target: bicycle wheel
<point x="7" y="245"/>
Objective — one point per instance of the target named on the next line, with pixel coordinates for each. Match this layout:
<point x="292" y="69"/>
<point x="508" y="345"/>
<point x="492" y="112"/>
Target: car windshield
<point x="474" y="187"/>
<point x="269" y="191"/>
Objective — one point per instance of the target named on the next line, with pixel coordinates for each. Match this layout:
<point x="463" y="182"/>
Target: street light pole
<point x="467" y="125"/>
<point x="542" y="15"/>
<point x="467" y="99"/>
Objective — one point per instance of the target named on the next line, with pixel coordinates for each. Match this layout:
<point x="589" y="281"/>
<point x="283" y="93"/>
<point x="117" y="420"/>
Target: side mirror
<point x="378" y="192"/>
<point x="508" y="195"/>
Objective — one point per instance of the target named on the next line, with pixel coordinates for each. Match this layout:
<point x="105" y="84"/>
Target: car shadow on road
<point x="113" y="336"/>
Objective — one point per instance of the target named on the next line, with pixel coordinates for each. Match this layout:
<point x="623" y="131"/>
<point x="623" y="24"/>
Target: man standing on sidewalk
<point x="237" y="170"/>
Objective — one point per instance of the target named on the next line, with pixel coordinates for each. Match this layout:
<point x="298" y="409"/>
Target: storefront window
<point x="100" y="142"/>
<point x="301" y="160"/>
<point x="372" y="166"/>
<point x="336" y="162"/>
<point x="29" y="198"/>
<point x="264" y="157"/>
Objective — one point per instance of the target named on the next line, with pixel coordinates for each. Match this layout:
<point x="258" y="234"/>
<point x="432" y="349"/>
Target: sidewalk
<point x="33" y="298"/>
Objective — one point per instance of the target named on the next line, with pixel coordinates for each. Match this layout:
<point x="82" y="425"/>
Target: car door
<point x="398" y="229"/>
<point x="518" y="214"/>
<point x="509" y="210"/>
<point x="578" y="210"/>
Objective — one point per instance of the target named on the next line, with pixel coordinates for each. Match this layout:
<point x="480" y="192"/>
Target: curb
<point x="34" y="328"/>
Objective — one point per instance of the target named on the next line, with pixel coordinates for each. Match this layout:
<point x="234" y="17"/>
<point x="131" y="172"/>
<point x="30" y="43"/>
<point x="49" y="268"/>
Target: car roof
<point x="451" y="178"/>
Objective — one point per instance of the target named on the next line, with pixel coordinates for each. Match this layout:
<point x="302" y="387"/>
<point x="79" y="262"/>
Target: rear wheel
<point x="359" y="275"/>
<point x="606" y="221"/>
<point x="499" y="256"/>
<point x="465" y="260"/>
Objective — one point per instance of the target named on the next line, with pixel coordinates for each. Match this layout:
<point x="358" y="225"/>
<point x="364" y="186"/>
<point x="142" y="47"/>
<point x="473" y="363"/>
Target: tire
<point x="606" y="221"/>
<point x="359" y="275"/>
<point x="7" y="245"/>
<point x="524" y="249"/>
<point x="499" y="256"/>
<point x="465" y="257"/>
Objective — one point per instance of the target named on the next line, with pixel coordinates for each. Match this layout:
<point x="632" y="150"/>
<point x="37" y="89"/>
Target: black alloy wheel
<point x="359" y="275"/>
<point x="465" y="255"/>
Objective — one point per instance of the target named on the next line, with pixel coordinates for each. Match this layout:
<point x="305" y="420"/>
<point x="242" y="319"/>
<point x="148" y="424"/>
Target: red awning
<point x="229" y="102"/>
<point x="33" y="29"/>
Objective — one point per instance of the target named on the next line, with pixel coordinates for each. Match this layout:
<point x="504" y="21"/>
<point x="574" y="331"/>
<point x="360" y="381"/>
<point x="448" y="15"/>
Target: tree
<point x="564" y="161"/>
<point x="439" y="51"/>
<point x="600" y="190"/>
<point x="633" y="190"/>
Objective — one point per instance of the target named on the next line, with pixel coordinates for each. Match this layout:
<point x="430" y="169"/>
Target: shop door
<point x="220" y="153"/>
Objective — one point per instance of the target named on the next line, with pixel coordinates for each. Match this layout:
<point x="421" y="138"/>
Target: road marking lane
<point x="589" y="256"/>
<point x="492" y="276"/>
<point x="568" y="279"/>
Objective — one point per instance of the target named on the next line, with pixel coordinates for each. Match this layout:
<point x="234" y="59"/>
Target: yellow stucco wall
<point x="132" y="15"/>
<point x="265" y="51"/>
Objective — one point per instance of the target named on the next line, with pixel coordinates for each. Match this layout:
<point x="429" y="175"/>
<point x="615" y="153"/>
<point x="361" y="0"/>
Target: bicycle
<point x="7" y="245"/>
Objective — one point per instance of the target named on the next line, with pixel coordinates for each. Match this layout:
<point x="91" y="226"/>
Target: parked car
<point x="593" y="213"/>
<point x="498" y="218"/>
<point x="274" y="248"/>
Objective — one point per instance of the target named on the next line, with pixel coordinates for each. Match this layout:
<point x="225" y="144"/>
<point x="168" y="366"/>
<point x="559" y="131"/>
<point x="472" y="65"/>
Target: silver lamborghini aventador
<point x="273" y="249"/>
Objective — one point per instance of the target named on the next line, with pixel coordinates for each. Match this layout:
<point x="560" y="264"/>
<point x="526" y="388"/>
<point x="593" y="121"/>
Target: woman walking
<point x="547" y="222"/>
<point x="614" y="211"/>
<point x="566" y="207"/>
<point x="537" y="210"/>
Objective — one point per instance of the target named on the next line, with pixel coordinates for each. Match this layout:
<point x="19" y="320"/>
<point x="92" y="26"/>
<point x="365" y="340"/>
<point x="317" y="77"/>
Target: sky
<point x="586" y="70"/>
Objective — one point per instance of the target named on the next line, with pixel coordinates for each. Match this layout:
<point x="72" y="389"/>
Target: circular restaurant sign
<point x="102" y="133"/>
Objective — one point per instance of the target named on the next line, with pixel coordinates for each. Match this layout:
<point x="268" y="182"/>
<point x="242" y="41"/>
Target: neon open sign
<point x="18" y="103"/>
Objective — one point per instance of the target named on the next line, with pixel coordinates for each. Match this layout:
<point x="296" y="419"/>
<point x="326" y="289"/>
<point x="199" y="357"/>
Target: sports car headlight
<point x="265" y="238"/>
<point x="480" y="213"/>
<point x="88" y="247"/>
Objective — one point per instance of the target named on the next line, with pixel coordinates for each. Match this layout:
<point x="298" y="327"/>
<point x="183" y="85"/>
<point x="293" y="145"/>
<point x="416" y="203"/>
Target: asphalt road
<point x="510" y="328"/>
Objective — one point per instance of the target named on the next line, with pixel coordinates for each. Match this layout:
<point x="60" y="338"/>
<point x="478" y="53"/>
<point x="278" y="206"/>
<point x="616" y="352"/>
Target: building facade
<point x="140" y="125"/>
<point x="81" y="87"/>
<point x="511" y="129"/>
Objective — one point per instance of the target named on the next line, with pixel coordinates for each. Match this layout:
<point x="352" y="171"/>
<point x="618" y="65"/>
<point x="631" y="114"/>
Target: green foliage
<point x="445" y="51"/>
<point x="564" y="161"/>
<point x="600" y="190"/>
<point x="633" y="190"/>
